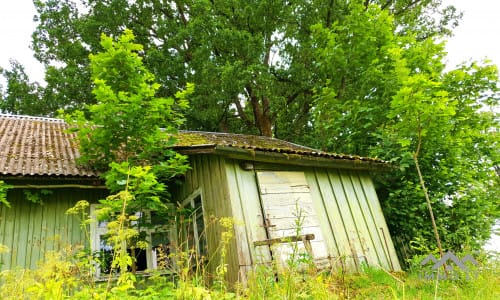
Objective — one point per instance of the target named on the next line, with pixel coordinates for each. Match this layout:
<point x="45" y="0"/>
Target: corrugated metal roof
<point x="42" y="146"/>
<point x="201" y="138"/>
<point x="192" y="139"/>
<point x="38" y="146"/>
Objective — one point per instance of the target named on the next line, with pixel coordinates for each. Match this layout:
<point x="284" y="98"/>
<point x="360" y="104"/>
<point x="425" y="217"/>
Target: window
<point x="193" y="225"/>
<point x="153" y="230"/>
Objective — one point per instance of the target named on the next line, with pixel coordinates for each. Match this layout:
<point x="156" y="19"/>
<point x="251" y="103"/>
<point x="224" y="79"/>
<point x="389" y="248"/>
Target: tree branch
<point x="181" y="13"/>
<point x="242" y="114"/>
<point x="342" y="87"/>
<point x="262" y="120"/>
<point x="329" y="14"/>
<point x="386" y="5"/>
<point x="406" y="8"/>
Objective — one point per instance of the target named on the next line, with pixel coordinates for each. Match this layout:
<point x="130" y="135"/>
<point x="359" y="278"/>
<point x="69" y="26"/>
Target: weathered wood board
<point x="288" y="211"/>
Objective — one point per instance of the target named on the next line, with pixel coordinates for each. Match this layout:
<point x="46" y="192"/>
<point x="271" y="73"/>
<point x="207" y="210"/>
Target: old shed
<point x="281" y="194"/>
<point x="278" y="194"/>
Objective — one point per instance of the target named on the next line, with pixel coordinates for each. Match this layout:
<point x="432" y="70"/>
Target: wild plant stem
<point x="120" y="230"/>
<point x="426" y="194"/>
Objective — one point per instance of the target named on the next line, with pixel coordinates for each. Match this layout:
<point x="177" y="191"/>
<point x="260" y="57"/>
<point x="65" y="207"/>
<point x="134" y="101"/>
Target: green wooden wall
<point x="30" y="230"/>
<point x="351" y="220"/>
<point x="347" y="207"/>
<point x="208" y="176"/>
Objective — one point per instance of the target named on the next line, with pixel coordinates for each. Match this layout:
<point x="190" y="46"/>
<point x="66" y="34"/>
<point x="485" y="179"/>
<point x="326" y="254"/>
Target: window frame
<point x="199" y="238"/>
<point x="97" y="231"/>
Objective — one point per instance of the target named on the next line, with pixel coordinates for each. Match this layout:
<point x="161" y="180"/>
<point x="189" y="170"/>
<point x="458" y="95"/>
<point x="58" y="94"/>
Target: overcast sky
<point x="477" y="37"/>
<point x="16" y="26"/>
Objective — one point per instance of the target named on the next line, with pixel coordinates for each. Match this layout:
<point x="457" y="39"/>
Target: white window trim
<point x="189" y="202"/>
<point x="96" y="232"/>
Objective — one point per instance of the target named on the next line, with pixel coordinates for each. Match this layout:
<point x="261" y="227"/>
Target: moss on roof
<point x="42" y="146"/>
<point x="198" y="138"/>
<point x="194" y="139"/>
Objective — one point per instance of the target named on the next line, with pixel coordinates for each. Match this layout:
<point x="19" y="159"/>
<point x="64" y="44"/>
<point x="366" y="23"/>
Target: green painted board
<point x="359" y="218"/>
<point x="378" y="215"/>
<point x="350" y="229"/>
<point x="371" y="223"/>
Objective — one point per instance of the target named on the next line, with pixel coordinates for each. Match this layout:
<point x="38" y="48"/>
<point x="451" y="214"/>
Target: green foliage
<point x="37" y="196"/>
<point x="433" y="116"/>
<point x="140" y="182"/>
<point x="354" y="54"/>
<point x="356" y="77"/>
<point x="253" y="63"/>
<point x="136" y="190"/>
<point x="21" y="95"/>
<point x="55" y="280"/>
<point x="391" y="98"/>
<point x="129" y="123"/>
<point x="129" y="130"/>
<point x="3" y="193"/>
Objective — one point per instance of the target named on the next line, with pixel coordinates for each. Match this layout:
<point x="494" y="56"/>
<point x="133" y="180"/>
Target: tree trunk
<point x="261" y="113"/>
<point x="265" y="126"/>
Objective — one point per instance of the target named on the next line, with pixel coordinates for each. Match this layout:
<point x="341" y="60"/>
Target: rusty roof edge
<point x="228" y="134"/>
<point x="281" y="147"/>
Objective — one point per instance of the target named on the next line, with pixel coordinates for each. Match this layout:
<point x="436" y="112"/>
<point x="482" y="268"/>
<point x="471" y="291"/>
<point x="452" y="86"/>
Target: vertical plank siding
<point x="246" y="212"/>
<point x="336" y="228"/>
<point x="343" y="209"/>
<point x="371" y="225"/>
<point x="355" y="218"/>
<point x="378" y="216"/>
<point x="30" y="230"/>
<point x="208" y="175"/>
<point x="368" y="253"/>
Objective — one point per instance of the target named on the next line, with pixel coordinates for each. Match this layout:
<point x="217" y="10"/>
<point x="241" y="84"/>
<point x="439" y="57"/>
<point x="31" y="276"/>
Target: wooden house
<point x="282" y="198"/>
<point x="37" y="159"/>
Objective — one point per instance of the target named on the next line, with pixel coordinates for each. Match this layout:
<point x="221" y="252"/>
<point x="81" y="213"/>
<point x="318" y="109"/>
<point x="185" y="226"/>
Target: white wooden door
<point x="289" y="216"/>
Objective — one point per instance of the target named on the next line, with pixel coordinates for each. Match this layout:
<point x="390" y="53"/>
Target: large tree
<point x="388" y="95"/>
<point x="339" y="75"/>
<point x="251" y="61"/>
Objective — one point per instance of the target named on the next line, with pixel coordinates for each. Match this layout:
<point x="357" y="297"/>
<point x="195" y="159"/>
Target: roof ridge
<point x="26" y="117"/>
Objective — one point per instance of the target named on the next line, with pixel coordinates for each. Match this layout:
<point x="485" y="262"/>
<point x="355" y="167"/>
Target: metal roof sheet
<point x="34" y="146"/>
<point x="39" y="146"/>
<point x="192" y="139"/>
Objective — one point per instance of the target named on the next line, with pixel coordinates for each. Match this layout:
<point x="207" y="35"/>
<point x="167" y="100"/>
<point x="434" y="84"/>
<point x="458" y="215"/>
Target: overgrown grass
<point x="70" y="274"/>
<point x="377" y="284"/>
<point x="58" y="278"/>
